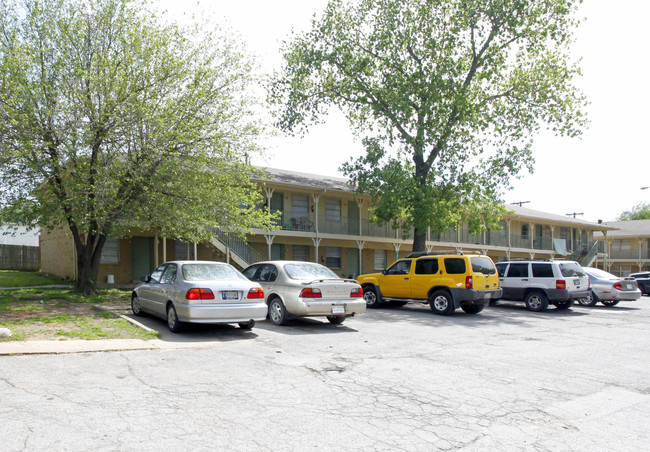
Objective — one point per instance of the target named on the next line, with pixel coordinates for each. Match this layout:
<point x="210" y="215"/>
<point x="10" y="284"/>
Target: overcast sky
<point x="598" y="176"/>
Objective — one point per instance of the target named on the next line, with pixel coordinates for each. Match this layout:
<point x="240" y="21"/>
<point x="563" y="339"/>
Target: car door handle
<point x="405" y="278"/>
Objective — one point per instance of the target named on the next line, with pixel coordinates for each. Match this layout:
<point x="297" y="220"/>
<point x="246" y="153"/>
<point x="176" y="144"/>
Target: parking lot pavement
<point x="391" y="379"/>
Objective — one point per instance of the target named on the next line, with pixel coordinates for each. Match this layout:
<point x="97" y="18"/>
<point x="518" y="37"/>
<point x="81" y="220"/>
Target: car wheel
<point x="472" y="308"/>
<point x="610" y="303"/>
<point x="277" y="312"/>
<point x="590" y="300"/>
<point x="370" y="297"/>
<point x="175" y="325"/>
<point x="562" y="305"/>
<point x="536" y="302"/>
<point x="441" y="303"/>
<point x="247" y="325"/>
<point x="336" y="319"/>
<point x="135" y="306"/>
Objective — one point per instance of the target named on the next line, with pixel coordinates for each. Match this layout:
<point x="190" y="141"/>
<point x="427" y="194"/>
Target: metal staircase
<point x="237" y="249"/>
<point x="591" y="255"/>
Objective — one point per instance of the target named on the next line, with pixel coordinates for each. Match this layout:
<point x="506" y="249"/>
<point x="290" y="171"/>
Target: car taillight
<point x="469" y="282"/>
<point x="255" y="292"/>
<point x="199" y="294"/>
<point x="310" y="293"/>
<point x="618" y="286"/>
<point x="560" y="284"/>
<point x="356" y="293"/>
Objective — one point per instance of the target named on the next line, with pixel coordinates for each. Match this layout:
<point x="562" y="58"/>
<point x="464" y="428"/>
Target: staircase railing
<point x="237" y="246"/>
<point x="591" y="255"/>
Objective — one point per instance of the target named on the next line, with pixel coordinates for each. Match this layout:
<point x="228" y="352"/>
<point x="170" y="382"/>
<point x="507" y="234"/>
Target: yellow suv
<point x="446" y="281"/>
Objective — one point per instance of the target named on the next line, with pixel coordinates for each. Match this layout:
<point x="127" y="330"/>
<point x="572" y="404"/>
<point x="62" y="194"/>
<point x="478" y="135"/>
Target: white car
<point x="539" y="283"/>
<point x="300" y="289"/>
<point x="199" y="292"/>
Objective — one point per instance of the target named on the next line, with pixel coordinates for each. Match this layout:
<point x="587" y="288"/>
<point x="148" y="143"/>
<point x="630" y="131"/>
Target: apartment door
<point x="353" y="218"/>
<point x="141" y="257"/>
<point x="354" y="269"/>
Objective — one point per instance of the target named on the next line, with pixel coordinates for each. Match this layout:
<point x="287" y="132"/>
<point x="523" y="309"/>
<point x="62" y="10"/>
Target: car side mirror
<point x="145" y="279"/>
<point x="383" y="272"/>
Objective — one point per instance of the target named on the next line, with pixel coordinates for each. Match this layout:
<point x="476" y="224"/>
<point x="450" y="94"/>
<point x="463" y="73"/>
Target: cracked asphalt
<point x="388" y="380"/>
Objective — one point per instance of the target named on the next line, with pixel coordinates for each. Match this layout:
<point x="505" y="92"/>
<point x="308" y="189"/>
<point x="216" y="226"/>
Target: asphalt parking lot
<point x="391" y="379"/>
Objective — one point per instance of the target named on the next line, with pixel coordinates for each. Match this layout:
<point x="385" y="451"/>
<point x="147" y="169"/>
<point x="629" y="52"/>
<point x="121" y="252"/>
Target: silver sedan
<point x="609" y="289"/>
<point x="199" y="292"/>
<point x="299" y="289"/>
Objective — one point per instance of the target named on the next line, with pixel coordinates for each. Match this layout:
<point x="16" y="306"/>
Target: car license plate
<point x="338" y="309"/>
<point x="576" y="282"/>
<point x="229" y="295"/>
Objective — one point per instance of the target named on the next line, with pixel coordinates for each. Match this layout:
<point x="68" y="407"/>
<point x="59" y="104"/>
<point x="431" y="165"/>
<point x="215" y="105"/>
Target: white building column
<point x="269" y="242"/>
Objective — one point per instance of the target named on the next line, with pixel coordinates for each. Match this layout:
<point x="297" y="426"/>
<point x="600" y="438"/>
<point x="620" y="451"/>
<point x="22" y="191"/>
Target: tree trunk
<point x="419" y="240"/>
<point x="85" y="282"/>
<point x="88" y="259"/>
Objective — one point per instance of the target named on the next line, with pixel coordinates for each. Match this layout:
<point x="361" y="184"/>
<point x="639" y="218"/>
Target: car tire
<point x="610" y="303"/>
<point x="536" y="301"/>
<point x="336" y="319"/>
<point x="370" y="297"/>
<point x="247" y="325"/>
<point x="441" y="303"/>
<point x="472" y="308"/>
<point x="590" y="300"/>
<point x="175" y="325"/>
<point x="563" y="305"/>
<point x="136" y="308"/>
<point x="277" y="312"/>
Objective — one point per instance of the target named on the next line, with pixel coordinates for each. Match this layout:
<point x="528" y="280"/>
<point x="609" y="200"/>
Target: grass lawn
<point x="63" y="314"/>
<point x="11" y="278"/>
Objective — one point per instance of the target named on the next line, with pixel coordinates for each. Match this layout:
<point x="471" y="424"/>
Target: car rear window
<point x="483" y="265"/>
<point x="426" y="267"/>
<point x="542" y="270"/>
<point x="210" y="272"/>
<point x="309" y="271"/>
<point x="518" y="271"/>
<point x="569" y="269"/>
<point x="455" y="266"/>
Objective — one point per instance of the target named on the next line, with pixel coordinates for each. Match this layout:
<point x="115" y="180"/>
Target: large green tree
<point x="114" y="118"/>
<point x="445" y="94"/>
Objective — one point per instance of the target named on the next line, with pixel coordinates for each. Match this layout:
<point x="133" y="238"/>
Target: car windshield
<point x="483" y="265"/>
<point x="601" y="274"/>
<point x="569" y="269"/>
<point x="210" y="272"/>
<point x="309" y="271"/>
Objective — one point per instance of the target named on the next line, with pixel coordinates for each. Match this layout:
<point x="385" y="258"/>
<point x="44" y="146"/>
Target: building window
<point x="184" y="250"/>
<point x="301" y="253"/>
<point x="333" y="257"/>
<point x="333" y="209"/>
<point x="622" y="245"/>
<point x="524" y="230"/>
<point x="380" y="259"/>
<point x="111" y="252"/>
<point x="300" y="206"/>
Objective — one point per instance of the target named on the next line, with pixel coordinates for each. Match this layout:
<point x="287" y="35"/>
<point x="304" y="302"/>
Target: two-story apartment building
<point x="625" y="248"/>
<point x="323" y="220"/>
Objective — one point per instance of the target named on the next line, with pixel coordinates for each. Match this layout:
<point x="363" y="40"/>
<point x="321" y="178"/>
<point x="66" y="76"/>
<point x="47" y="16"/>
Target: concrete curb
<point x="128" y="319"/>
